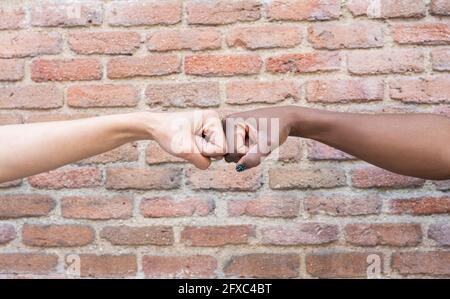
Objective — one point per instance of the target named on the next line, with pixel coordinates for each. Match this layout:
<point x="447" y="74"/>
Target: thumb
<point x="251" y="159"/>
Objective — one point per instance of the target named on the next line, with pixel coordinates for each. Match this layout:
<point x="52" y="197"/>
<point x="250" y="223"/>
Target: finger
<point x="198" y="160"/>
<point x="251" y="159"/>
<point x="233" y="157"/>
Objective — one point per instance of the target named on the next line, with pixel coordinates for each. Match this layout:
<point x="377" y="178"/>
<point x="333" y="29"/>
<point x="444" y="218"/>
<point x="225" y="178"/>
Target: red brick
<point x="269" y="92"/>
<point x="108" y="42"/>
<point x="265" y="206"/>
<point x="264" y="37"/>
<point x="97" y="207"/>
<point x="10" y="119"/>
<point x="358" y="7"/>
<point x="21" y="263"/>
<point x="191" y="94"/>
<point x="75" y="69"/>
<point x="11" y="184"/>
<point x="219" y="12"/>
<point x="422" y="34"/>
<point x="443" y="185"/>
<point x="299" y="234"/>
<point x="124" y="153"/>
<point x="184" y="39"/>
<point x="141" y="13"/>
<point x="25" y="205"/>
<point x="432" y="263"/>
<point x="385" y="9"/>
<point x="66" y="14"/>
<point x="441" y="59"/>
<point x="313" y="178"/>
<point x="57" y="235"/>
<point x="318" y="151"/>
<point x="157" y="207"/>
<point x="440" y="232"/>
<point x="338" y="265"/>
<point x="26" y="44"/>
<point x="304" y="63"/>
<point x="339" y="205"/>
<point x="344" y="90"/>
<point x="68" y="177"/>
<point x="263" y="265"/>
<point x="45" y="117"/>
<point x="195" y="266"/>
<point x="420" y="205"/>
<point x="222" y="65"/>
<point x="12" y="17"/>
<point x="152" y="178"/>
<point x="440" y="7"/>
<point x="7" y="233"/>
<point x="153" y="65"/>
<point x="422" y="90"/>
<point x="11" y="69"/>
<point x="299" y="10"/>
<point x="377" y="62"/>
<point x="106" y="95"/>
<point x="136" y="236"/>
<point x="386" y="234"/>
<point x="224" y="178"/>
<point x="108" y="266"/>
<point x="345" y="36"/>
<point x="212" y="236"/>
<point x="291" y="150"/>
<point x="156" y="155"/>
<point x="30" y="97"/>
<point x="374" y="177"/>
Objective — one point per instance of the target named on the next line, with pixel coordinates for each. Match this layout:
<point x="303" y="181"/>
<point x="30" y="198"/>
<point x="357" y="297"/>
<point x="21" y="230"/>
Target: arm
<point x="33" y="148"/>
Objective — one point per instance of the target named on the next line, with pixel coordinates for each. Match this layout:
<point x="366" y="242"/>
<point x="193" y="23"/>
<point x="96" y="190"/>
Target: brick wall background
<point x="137" y="212"/>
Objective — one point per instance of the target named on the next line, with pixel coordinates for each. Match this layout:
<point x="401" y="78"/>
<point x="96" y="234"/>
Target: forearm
<point x="33" y="148"/>
<point x="410" y="144"/>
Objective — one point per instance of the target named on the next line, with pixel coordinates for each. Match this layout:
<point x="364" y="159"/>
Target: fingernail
<point x="240" y="167"/>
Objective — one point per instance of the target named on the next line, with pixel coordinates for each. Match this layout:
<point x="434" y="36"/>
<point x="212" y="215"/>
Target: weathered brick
<point x="10" y="119"/>
<point x="420" y="205"/>
<point x="66" y="14"/>
<point x="263" y="265"/>
<point x="219" y="12"/>
<point x="106" y="95"/>
<point x="269" y="92"/>
<point x="97" y="207"/>
<point x="441" y="59"/>
<point x="346" y="36"/>
<point x="375" y="62"/>
<point x="11" y="69"/>
<point x="7" y="233"/>
<point x="45" y="117"/>
<point x="184" y="39"/>
<point x="422" y="34"/>
<point x="387" y="234"/>
<point x="107" y="42"/>
<point x="338" y="205"/>
<point x="304" y="63"/>
<point x="440" y="232"/>
<point x="156" y="155"/>
<point x="157" y="207"/>
<point x="222" y="65"/>
<point x="30" y="97"/>
<point x="224" y="178"/>
<point x="75" y="69"/>
<point x="264" y="37"/>
<point x="67" y="177"/>
<point x="26" y="44"/>
<point x="108" y="266"/>
<point x="192" y="94"/>
<point x="211" y="236"/>
<point x="344" y="90"/>
<point x="125" y="153"/>
<point x="53" y="235"/>
<point x="157" y="178"/>
<point x="291" y="150"/>
<point x="11" y="184"/>
<point x="318" y="151"/>
<point x="148" y="66"/>
<point x="134" y="236"/>
<point x="299" y="10"/>
<point x="374" y="177"/>
<point x="141" y="13"/>
<point x="299" y="234"/>
<point x="432" y="263"/>
<point x="265" y="206"/>
<point x="385" y="9"/>
<point x="422" y="90"/>
<point x="314" y="178"/>
<point x="25" y="205"/>
<point x="358" y="7"/>
<point x="24" y="263"/>
<point x="440" y="7"/>
<point x="194" y="266"/>
<point x="12" y="17"/>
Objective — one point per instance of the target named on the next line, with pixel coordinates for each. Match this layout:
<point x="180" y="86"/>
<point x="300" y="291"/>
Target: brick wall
<point x="138" y="212"/>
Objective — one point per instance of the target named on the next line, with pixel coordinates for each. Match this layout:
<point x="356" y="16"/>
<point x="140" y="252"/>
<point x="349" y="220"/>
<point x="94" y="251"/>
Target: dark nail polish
<point x="240" y="167"/>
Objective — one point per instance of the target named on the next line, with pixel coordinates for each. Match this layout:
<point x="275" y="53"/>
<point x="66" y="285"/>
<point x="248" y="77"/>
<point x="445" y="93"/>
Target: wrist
<point x="140" y="125"/>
